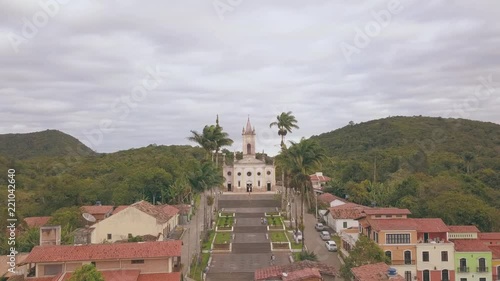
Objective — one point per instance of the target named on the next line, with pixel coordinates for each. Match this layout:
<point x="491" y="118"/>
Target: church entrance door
<point x="268" y="186"/>
<point x="229" y="187"/>
<point x="249" y="187"/>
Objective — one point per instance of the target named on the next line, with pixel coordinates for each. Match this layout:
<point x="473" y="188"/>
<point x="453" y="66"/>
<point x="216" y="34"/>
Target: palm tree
<point x="468" y="158"/>
<point x="285" y="123"/>
<point x="213" y="138"/>
<point x="204" y="178"/>
<point x="220" y="139"/>
<point x="204" y="139"/>
<point x="303" y="158"/>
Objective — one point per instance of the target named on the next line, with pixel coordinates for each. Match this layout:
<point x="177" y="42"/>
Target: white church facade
<point x="249" y="174"/>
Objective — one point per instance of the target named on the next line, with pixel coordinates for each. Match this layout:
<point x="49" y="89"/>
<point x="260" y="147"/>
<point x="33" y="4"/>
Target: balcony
<point x="482" y="269"/>
<point x="463" y="269"/>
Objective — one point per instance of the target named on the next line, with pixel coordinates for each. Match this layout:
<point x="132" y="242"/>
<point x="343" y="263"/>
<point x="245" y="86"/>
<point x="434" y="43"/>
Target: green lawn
<point x="295" y="246"/>
<point x="278" y="236"/>
<point x="275" y="220"/>
<point x="225" y="221"/>
<point x="222" y="238"/>
<point x="206" y="245"/>
<point x="197" y="269"/>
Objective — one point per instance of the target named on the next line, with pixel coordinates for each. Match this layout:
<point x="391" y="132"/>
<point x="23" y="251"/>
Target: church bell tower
<point x="248" y="134"/>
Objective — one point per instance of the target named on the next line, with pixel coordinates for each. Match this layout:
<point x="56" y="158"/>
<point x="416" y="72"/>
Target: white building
<point x="344" y="216"/>
<point x="249" y="174"/>
<point x="138" y="219"/>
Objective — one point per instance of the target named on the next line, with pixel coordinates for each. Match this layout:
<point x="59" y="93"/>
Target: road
<point x="191" y="237"/>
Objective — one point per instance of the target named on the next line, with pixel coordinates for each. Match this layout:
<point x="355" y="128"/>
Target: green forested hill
<point x="45" y="143"/>
<point x="448" y="168"/>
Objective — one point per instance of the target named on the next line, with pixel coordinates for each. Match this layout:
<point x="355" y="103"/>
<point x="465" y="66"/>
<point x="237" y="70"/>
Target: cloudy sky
<point x="128" y="73"/>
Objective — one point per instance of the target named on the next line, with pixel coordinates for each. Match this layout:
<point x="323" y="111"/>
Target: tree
<point x="213" y="138"/>
<point x="285" y="123"/>
<point x="87" y="272"/>
<point x="468" y="158"/>
<point x="302" y="159"/>
<point x="67" y="217"/>
<point x="365" y="251"/>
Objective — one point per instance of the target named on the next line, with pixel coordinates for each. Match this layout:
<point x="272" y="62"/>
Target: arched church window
<point x="249" y="149"/>
<point x="268" y="173"/>
<point x="249" y="173"/>
<point x="229" y="173"/>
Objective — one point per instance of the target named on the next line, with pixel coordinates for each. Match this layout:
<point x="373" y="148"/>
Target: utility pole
<point x="316" y="197"/>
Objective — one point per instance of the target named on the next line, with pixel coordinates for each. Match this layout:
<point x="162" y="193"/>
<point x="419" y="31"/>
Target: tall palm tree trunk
<point x="302" y="218"/>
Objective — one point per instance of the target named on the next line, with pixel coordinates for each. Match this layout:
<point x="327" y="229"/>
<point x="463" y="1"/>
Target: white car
<point x="298" y="235"/>
<point x="331" y="246"/>
<point x="325" y="235"/>
<point x="319" y="227"/>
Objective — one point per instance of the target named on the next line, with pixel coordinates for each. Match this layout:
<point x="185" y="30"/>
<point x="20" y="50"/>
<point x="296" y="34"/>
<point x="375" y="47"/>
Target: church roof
<point x="248" y="129"/>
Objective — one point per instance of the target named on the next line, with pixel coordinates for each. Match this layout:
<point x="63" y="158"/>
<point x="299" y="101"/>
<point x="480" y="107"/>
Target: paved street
<point x="251" y="248"/>
<point x="191" y="237"/>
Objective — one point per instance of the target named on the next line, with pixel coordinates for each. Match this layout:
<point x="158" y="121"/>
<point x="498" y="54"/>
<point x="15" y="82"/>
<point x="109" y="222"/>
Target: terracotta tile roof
<point x="471" y="246"/>
<point x="463" y="229"/>
<point x="119" y="208"/>
<point x="183" y="209"/>
<point x="112" y="275"/>
<point x="162" y="213"/>
<point x="387" y="211"/>
<point x="346" y="211"/>
<point x="174" y="276"/>
<point x="97" y="210"/>
<point x="374" y="272"/>
<point x="319" y="178"/>
<point x="327" y="198"/>
<point x="431" y="225"/>
<point x="489" y="235"/>
<point x="495" y="250"/>
<point x="302" y="274"/>
<point x="97" y="252"/>
<point x="36" y="221"/>
<point x="277" y="271"/>
<point x="35" y="279"/>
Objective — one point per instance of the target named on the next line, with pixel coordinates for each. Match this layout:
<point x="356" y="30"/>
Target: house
<point x="318" y="181"/>
<point x="33" y="222"/>
<point x="495" y="261"/>
<point x="98" y="211"/>
<point x="375" y="272"/>
<point x="330" y="200"/>
<point x="490" y="238"/>
<point x="138" y="219"/>
<point x="348" y="239"/>
<point x="298" y="271"/>
<point x="344" y="216"/>
<point x="395" y="234"/>
<point x="472" y="260"/>
<point x="463" y="232"/>
<point x="117" y="262"/>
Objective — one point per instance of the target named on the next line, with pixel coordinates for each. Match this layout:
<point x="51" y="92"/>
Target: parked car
<point x="331" y="246"/>
<point x="319" y="227"/>
<point x="325" y="235"/>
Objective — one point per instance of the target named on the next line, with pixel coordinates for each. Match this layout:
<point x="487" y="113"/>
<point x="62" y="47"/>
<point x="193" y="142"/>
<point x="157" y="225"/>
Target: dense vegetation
<point x="50" y="143"/>
<point x="436" y="167"/>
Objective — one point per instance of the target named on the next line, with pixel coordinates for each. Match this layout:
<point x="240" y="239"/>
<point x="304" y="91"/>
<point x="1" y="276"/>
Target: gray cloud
<point x="80" y="71"/>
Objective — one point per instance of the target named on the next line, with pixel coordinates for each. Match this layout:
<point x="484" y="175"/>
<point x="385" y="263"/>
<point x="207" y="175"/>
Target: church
<point x="249" y="174"/>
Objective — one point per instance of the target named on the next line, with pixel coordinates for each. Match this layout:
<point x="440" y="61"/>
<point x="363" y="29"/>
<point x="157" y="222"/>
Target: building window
<point x="52" y="269"/>
<point x="426" y="275"/>
<point x="229" y="173"/>
<point x="375" y="237"/>
<point x="344" y="224"/>
<point x="407" y="257"/>
<point x="463" y="265"/>
<point x="92" y="263"/>
<point x="444" y="256"/>
<point x="378" y="216"/>
<point x="239" y="183"/>
<point x="109" y="236"/>
<point x="445" y="276"/>
<point x="258" y="174"/>
<point x="408" y="276"/>
<point x="388" y="254"/>
<point x="258" y="183"/>
<point x="397" y="239"/>
<point x="239" y="174"/>
<point x="388" y="216"/>
<point x="268" y="173"/>
<point x="425" y="256"/>
<point x="463" y="279"/>
<point x="137" y="261"/>
<point x="249" y="173"/>
<point x="482" y="279"/>
<point x="482" y="265"/>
